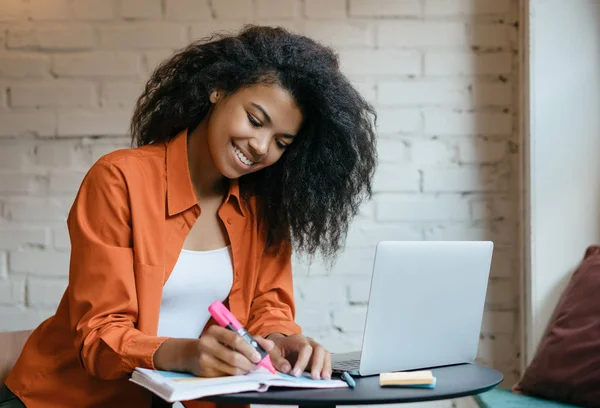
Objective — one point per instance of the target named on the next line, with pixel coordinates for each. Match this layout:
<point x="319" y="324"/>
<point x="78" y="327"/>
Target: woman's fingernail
<point x="297" y="372"/>
<point x="256" y="357"/>
<point x="286" y="368"/>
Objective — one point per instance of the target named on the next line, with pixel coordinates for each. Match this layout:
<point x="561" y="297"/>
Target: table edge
<point x="235" y="398"/>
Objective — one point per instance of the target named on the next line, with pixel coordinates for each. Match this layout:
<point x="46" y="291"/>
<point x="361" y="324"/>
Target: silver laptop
<point x="425" y="307"/>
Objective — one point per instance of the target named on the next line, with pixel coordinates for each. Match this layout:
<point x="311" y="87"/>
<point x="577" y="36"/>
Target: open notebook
<point x="172" y="386"/>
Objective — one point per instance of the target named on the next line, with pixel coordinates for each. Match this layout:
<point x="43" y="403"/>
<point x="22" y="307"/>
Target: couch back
<point x="11" y="344"/>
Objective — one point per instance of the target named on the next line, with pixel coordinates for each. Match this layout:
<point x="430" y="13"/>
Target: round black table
<point x="452" y="382"/>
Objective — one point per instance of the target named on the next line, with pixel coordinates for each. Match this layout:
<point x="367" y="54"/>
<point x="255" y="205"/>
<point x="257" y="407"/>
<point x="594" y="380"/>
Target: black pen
<point x="346" y="377"/>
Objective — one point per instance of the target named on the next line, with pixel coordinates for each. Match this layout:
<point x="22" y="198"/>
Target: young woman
<point x="247" y="146"/>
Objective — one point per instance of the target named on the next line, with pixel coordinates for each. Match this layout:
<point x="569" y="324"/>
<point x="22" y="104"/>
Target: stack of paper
<point x="416" y="379"/>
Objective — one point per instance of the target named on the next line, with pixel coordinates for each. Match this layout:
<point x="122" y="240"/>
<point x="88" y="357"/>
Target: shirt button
<point x="229" y="221"/>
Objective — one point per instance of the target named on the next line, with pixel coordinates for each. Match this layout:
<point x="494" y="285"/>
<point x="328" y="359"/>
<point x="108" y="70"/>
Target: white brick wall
<point x="442" y="75"/>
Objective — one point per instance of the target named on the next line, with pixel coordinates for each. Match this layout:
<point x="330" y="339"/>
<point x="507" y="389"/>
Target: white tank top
<point x="198" y="279"/>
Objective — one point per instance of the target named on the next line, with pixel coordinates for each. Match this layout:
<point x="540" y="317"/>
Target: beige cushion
<point x="11" y="344"/>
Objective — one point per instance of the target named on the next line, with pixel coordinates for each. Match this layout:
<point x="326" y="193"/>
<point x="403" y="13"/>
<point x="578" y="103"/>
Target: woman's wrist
<point x="275" y="336"/>
<point x="174" y="354"/>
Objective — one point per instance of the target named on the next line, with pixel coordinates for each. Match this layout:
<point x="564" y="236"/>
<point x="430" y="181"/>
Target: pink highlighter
<point x="226" y="319"/>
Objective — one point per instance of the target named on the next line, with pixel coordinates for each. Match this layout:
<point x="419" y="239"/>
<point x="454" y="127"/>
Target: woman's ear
<point x="215" y="95"/>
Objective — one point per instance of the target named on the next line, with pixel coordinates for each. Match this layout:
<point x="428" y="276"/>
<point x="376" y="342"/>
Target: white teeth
<point x="242" y="157"/>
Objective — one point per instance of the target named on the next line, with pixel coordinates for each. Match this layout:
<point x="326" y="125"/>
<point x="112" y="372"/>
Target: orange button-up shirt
<point x="127" y="226"/>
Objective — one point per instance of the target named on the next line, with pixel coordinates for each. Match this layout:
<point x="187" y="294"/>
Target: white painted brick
<point x="494" y="207"/>
<point x="14" y="318"/>
<point x="45" y="293"/>
<point x="366" y="210"/>
<point x="292" y="25"/>
<point x="277" y="8"/>
<point x="14" y="156"/>
<point x="367" y="88"/>
<point x="100" y="63"/>
<point x="143" y="36"/>
<point x="357" y="262"/>
<point x="51" y="38"/>
<point x="465" y="7"/>
<point x="350" y="319"/>
<point x="187" y="10"/>
<point x="93" y="9"/>
<point x="444" y="122"/>
<point x="492" y="94"/>
<point x="370" y="236"/>
<point x="65" y="182"/>
<point x="232" y="9"/>
<point x="463" y="179"/>
<point x="432" y="151"/>
<point x="343" y="34"/>
<point x="393" y="150"/>
<point x="446" y="63"/>
<point x="141" y="9"/>
<point x="489" y="35"/>
<point x="312" y="320"/>
<point x="502" y="294"/>
<point x="385" y="8"/>
<point x="380" y="62"/>
<point x="58" y="154"/>
<point x="208" y="28"/>
<point x="330" y="9"/>
<point x="396" y="178"/>
<point x="91" y="123"/>
<point x="499" y="322"/>
<point x="24" y="65"/>
<point x="15" y="236"/>
<point x="423" y="92"/>
<point x="415" y="34"/>
<point x="3" y="264"/>
<point x="481" y="150"/>
<point x="359" y="290"/>
<point x="13" y="10"/>
<point x="37" y="209"/>
<point x="12" y="291"/>
<point x="48" y="9"/>
<point x="100" y="149"/>
<point x="60" y="236"/>
<point x="12" y="182"/>
<point x="121" y="94"/>
<point x="18" y="123"/>
<point x="337" y="342"/>
<point x="42" y="263"/>
<point x="319" y="292"/>
<point x="498" y="232"/>
<point x="53" y="94"/>
<point x="398" y="120"/>
<point x="153" y="58"/>
<point x="421" y="208"/>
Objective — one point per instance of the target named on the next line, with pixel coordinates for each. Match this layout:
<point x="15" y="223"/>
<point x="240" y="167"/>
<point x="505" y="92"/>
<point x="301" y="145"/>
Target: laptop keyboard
<point x="346" y="365"/>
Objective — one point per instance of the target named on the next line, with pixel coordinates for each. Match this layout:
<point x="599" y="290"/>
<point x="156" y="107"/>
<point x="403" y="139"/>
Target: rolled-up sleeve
<point x="103" y="302"/>
<point x="273" y="308"/>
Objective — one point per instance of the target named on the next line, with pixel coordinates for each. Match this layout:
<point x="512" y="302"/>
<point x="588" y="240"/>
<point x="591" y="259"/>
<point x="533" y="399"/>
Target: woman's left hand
<point x="298" y="353"/>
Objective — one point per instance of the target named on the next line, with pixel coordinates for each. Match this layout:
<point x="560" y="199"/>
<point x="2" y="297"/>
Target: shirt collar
<point x="180" y="191"/>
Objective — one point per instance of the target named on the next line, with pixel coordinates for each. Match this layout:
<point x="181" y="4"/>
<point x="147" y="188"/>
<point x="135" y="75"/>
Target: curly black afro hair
<point x="313" y="192"/>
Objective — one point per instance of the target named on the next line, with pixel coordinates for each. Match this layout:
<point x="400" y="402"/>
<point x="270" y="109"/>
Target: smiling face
<point x="250" y="129"/>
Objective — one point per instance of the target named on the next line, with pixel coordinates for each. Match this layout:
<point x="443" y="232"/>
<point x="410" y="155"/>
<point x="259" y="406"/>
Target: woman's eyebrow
<point x="268" y="118"/>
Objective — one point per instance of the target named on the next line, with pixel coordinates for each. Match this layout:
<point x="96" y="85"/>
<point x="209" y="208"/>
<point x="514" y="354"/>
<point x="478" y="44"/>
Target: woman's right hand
<point x="216" y="353"/>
